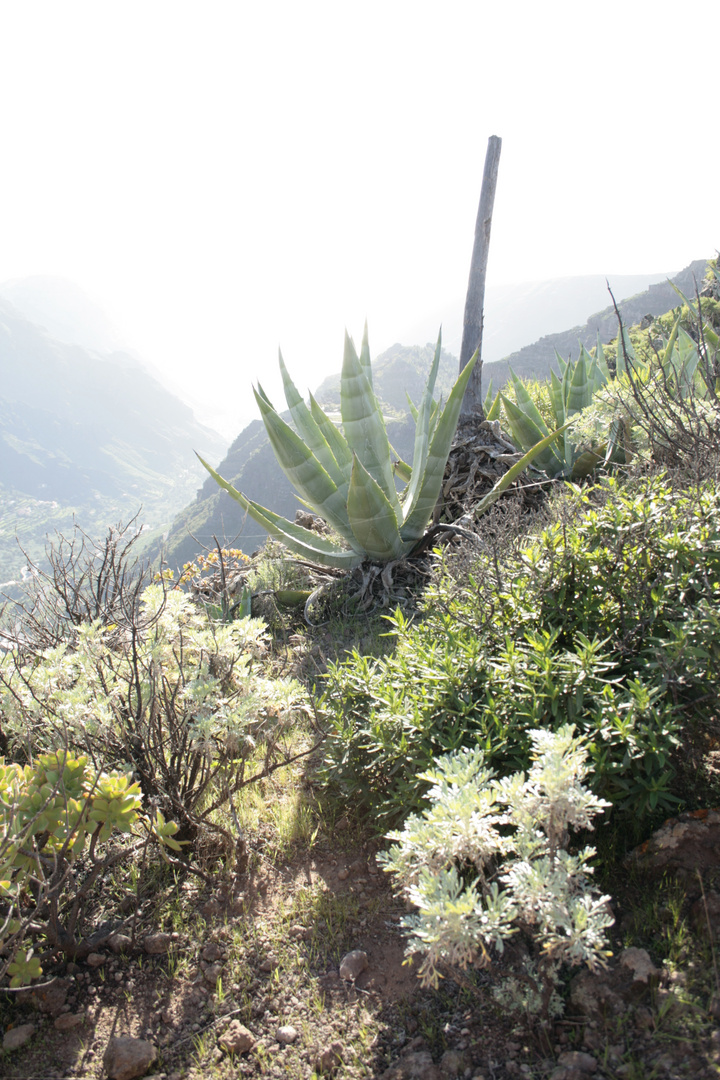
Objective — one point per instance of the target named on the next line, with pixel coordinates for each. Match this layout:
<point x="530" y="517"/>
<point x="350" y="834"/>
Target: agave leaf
<point x="364" y="426"/>
<point x="489" y="399"/>
<point x="601" y="362"/>
<point x="690" y="304"/>
<point x="586" y="462"/>
<point x="514" y="471"/>
<point x="412" y="407"/>
<point x="625" y="353"/>
<point x="364" y="357"/>
<point x="668" y="352"/>
<point x="309" y="429"/>
<point x="422" y="435"/>
<point x="528" y="406"/>
<point x="305" y="472"/>
<point x="372" y="516"/>
<point x="562" y="364"/>
<point x="556" y="399"/>
<point x="493" y="413"/>
<point x="527" y="434"/>
<point x="417" y="513"/>
<point x="580" y="390"/>
<point x="402" y="470"/>
<point x="334" y="438"/>
<point x="303" y="541"/>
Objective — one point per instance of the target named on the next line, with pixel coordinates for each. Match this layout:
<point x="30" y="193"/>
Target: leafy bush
<point x="165" y="694"/>
<point x="488" y="861"/>
<point x="609" y="619"/>
<point x="53" y="813"/>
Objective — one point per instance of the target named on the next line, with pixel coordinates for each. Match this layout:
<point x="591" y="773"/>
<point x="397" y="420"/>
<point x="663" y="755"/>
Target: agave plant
<point x="348" y="478"/>
<point x="569" y="394"/>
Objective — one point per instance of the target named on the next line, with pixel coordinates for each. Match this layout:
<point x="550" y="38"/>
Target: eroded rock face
<point x="126" y="1058"/>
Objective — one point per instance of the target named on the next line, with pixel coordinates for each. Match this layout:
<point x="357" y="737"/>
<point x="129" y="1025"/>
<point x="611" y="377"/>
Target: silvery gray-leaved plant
<point x="488" y="859"/>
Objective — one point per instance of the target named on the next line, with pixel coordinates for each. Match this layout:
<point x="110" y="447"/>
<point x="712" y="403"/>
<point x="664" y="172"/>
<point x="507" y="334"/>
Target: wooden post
<point x="472" y="405"/>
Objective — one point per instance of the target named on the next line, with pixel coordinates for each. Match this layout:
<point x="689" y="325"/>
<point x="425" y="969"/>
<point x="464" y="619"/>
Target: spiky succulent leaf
<point x="625" y="354"/>
<point x="309" y="429"/>
<point x="363" y="425"/>
<point x="580" y="389"/>
<point x="528" y="406"/>
<point x="304" y="471"/>
<point x="300" y="540"/>
<point x="514" y="471"/>
<point x="365" y="357"/>
<point x="585" y="463"/>
<point x="601" y="362"/>
<point x="372" y="517"/>
<point x="334" y="438"/>
<point x="417" y="513"/>
<point x="556" y="399"/>
<point x="422" y="435"/>
<point x="493" y="413"/>
<point x="527" y="434"/>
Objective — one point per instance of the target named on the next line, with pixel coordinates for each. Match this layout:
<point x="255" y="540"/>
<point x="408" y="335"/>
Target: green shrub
<point x="52" y="813"/>
<point x="608" y="620"/>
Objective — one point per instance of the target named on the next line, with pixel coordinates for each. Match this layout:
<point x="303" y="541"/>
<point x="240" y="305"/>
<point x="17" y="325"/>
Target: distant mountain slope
<point x="523" y="312"/>
<point x="86" y="434"/>
<point x="250" y="463"/>
<point x="534" y="361"/>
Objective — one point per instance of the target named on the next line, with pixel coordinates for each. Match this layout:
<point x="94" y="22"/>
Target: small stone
<point x="353" y="964"/>
<point x="330" y="1057"/>
<point x="576" y="1059"/>
<point x="212" y="974"/>
<point x="299" y="933"/>
<point x="157" y="944"/>
<point x="127" y="1058"/>
<point x="18" y="1036"/>
<point x="454" y="1063"/>
<point x="212" y="952"/>
<point x="96" y="959"/>
<point x="286" y="1034"/>
<point x="236" y="1039"/>
<point x="343" y="874"/>
<point x="120" y="943"/>
<point x="268" y="964"/>
<point x="211" y="909"/>
<point x="68" y="1021"/>
<point x="51" y="997"/>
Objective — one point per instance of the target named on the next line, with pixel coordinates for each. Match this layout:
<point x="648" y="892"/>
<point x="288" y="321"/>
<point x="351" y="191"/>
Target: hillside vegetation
<point x="232" y="799"/>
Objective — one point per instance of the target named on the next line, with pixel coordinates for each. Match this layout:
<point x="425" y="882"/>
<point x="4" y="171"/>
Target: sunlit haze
<point x="228" y="177"/>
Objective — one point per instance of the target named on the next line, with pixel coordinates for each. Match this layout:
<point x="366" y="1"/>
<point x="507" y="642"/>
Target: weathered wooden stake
<point x="472" y="405"/>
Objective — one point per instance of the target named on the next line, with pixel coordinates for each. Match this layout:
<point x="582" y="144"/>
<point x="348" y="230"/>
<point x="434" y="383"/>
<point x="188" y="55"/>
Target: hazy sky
<point x="227" y="176"/>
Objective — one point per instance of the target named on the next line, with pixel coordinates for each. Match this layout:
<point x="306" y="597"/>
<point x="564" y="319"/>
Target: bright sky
<point x="228" y="176"/>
